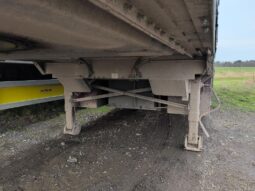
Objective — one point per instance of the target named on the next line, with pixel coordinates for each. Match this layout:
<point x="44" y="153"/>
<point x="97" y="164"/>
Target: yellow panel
<point x="28" y="93"/>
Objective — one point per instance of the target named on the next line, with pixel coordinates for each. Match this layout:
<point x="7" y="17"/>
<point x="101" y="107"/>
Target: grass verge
<point x="235" y="87"/>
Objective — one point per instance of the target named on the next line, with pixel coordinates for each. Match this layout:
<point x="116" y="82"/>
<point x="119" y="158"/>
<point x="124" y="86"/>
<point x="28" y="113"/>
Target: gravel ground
<point x="129" y="150"/>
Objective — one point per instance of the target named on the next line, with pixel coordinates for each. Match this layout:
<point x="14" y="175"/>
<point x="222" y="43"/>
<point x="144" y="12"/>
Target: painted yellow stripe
<point x="28" y="93"/>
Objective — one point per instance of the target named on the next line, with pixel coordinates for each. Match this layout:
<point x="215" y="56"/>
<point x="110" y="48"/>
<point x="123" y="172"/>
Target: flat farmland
<point x="236" y="87"/>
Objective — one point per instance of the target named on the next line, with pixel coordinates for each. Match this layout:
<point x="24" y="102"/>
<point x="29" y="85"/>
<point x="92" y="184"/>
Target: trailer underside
<point x="155" y="55"/>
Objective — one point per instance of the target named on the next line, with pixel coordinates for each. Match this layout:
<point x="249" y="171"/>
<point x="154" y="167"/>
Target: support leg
<point x="71" y="76"/>
<point x="193" y="142"/>
<point x="72" y="127"/>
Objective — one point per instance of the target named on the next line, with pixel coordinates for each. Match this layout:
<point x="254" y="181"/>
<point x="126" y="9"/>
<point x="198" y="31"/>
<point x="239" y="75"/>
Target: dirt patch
<point x="132" y="150"/>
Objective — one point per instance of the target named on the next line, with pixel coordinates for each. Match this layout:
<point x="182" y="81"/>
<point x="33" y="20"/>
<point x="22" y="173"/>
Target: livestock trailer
<point x="140" y="54"/>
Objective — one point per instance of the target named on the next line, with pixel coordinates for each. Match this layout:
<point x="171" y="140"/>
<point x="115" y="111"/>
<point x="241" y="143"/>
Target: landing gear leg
<point x="193" y="142"/>
<point x="72" y="127"/>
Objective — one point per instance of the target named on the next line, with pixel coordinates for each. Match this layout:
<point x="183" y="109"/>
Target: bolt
<point x="149" y="21"/>
<point x="127" y="6"/>
<point x="177" y="43"/>
<point x="162" y="32"/>
<point x="140" y="16"/>
<point x="156" y="28"/>
<point x="206" y="29"/>
<point x="171" y="39"/>
<point x="205" y="22"/>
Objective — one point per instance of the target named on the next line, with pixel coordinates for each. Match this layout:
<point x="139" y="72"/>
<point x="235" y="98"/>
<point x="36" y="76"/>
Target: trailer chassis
<point x="171" y="82"/>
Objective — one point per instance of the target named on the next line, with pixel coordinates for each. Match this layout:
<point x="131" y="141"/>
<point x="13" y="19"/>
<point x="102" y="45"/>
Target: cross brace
<point x="132" y="93"/>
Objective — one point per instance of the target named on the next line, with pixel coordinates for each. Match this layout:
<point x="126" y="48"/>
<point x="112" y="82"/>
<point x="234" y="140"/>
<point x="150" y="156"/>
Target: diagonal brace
<point x="115" y="94"/>
<point x="183" y="107"/>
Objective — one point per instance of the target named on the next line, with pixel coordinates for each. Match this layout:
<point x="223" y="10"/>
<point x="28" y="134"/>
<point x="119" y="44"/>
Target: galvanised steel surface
<point x="65" y="30"/>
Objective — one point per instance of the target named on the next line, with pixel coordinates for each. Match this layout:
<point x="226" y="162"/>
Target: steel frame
<point x="70" y="103"/>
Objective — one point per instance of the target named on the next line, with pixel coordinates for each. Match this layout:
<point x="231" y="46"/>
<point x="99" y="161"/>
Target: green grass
<point x="234" y="69"/>
<point x="236" y="87"/>
<point x="102" y="109"/>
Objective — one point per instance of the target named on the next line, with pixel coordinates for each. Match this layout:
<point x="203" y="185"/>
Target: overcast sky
<point x="236" y="30"/>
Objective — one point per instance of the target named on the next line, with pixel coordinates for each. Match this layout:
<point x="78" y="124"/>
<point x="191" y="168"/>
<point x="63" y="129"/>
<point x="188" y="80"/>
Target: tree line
<point x="238" y="63"/>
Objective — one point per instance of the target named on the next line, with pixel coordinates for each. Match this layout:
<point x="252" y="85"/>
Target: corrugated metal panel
<point x="56" y="29"/>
